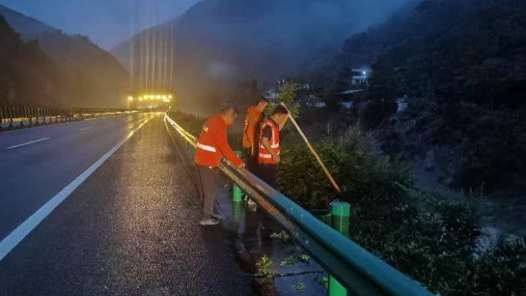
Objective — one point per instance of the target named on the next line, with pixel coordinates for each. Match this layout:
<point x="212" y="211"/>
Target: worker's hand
<point x="241" y="166"/>
<point x="276" y="158"/>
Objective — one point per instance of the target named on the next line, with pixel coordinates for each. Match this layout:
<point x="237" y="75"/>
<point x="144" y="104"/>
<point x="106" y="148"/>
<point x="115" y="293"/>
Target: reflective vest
<point x="264" y="156"/>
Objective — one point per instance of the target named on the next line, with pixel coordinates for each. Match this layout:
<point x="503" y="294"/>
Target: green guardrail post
<point x="341" y="212"/>
<point x="237" y="207"/>
<point x="236" y="210"/>
<point x="237" y="194"/>
<point x="324" y="215"/>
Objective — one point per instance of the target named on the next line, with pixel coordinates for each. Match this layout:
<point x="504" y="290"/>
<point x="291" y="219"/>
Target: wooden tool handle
<point x="313" y="151"/>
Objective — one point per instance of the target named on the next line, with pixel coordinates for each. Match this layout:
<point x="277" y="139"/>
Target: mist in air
<point x="222" y="41"/>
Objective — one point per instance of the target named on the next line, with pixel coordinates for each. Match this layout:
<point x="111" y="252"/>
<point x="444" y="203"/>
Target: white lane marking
<point x="28" y="143"/>
<point x="86" y="128"/>
<point x="15" y="237"/>
<point x="48" y="125"/>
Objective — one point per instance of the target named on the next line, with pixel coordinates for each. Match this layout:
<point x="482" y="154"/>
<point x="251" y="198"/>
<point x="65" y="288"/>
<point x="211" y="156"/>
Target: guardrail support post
<point x="237" y="207"/>
<point x="341" y="212"/>
<point x="237" y="194"/>
<point x="324" y="216"/>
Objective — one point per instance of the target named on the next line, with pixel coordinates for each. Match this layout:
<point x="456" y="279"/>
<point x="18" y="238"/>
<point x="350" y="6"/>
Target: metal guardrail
<point x="14" y="117"/>
<point x="358" y="270"/>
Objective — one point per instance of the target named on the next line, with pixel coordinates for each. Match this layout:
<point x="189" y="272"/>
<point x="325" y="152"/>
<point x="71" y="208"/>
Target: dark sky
<point x="106" y="22"/>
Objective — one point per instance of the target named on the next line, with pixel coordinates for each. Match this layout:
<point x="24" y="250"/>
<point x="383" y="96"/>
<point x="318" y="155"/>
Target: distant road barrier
<point x="17" y="117"/>
<point x="359" y="271"/>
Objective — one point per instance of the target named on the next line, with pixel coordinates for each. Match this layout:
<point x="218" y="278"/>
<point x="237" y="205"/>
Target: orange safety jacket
<point x="264" y="156"/>
<point x="212" y="144"/>
<point x="252" y="120"/>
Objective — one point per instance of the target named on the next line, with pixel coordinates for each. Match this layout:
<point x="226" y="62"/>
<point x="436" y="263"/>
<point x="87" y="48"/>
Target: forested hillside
<point x="462" y="63"/>
<point x="91" y="77"/>
<point x="27" y="75"/>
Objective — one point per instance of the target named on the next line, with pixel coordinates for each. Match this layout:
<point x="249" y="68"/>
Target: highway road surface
<point x="104" y="207"/>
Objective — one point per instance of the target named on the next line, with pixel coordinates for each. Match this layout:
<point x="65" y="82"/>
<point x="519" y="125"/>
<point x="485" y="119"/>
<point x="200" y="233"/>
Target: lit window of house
<point x="360" y="76"/>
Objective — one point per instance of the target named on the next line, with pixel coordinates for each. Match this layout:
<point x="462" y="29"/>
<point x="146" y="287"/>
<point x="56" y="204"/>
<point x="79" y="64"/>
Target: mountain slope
<point x="229" y="40"/>
<point x="23" y="64"/>
<point x="448" y="49"/>
<point x="148" y="56"/>
<point x="97" y="78"/>
<point x="463" y="63"/>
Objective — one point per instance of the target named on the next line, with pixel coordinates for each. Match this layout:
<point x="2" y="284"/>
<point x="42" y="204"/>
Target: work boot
<point x="216" y="216"/>
<point x="209" y="221"/>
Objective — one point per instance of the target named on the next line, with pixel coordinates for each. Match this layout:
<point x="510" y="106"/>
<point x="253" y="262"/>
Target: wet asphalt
<point x="129" y="229"/>
<point x="31" y="174"/>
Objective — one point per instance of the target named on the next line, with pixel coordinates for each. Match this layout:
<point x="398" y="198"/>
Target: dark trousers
<point x="251" y="161"/>
<point x="269" y="174"/>
<point x="209" y="188"/>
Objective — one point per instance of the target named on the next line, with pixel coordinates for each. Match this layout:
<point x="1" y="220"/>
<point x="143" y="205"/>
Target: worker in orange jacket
<point x="250" y="132"/>
<point x="269" y="154"/>
<point x="250" y="137"/>
<point x="212" y="146"/>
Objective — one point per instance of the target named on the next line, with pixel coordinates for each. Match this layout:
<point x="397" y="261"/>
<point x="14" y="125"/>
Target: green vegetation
<point x="325" y="282"/>
<point x="264" y="266"/>
<point x="462" y="65"/>
<point x="288" y="97"/>
<point x="283" y="235"/>
<point x="300" y="286"/>
<point x="287" y="261"/>
<point x="470" y="78"/>
<point x="432" y="237"/>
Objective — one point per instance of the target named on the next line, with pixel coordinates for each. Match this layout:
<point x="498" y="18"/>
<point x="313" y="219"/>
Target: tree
<point x="288" y="96"/>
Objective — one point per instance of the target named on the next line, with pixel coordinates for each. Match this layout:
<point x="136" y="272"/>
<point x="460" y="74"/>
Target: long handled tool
<point x="313" y="151"/>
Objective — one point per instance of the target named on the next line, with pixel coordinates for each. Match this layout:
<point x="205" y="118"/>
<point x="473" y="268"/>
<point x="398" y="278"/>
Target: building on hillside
<point x="360" y="76"/>
<point x="280" y="85"/>
<point x="401" y="104"/>
<point x="349" y="97"/>
<point x="271" y="95"/>
<point x="312" y="100"/>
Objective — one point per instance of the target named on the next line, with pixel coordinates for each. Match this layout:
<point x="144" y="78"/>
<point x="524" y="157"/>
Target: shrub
<point x="372" y="113"/>
<point x="430" y="236"/>
<point x="301" y="177"/>
<point x="288" y="97"/>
